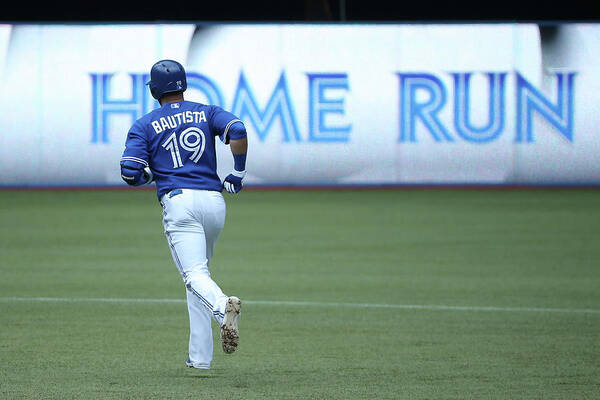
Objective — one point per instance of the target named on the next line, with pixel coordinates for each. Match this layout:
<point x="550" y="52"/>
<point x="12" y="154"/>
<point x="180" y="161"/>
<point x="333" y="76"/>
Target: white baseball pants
<point x="193" y="220"/>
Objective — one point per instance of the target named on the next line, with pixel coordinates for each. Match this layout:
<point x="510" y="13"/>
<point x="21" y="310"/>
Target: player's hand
<point x="234" y="182"/>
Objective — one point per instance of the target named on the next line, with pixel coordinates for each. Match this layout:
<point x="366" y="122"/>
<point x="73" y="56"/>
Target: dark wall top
<point x="299" y="11"/>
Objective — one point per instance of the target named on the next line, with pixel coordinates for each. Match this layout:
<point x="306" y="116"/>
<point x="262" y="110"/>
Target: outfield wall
<point x="323" y="104"/>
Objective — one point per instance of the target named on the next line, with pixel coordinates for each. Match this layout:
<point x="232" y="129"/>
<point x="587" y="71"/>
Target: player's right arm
<point x="135" y="169"/>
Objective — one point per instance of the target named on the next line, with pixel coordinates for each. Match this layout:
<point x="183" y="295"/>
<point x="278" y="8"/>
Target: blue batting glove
<point x="234" y="182"/>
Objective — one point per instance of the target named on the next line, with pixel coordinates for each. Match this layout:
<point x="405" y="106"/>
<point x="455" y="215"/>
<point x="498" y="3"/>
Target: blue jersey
<point x="177" y="142"/>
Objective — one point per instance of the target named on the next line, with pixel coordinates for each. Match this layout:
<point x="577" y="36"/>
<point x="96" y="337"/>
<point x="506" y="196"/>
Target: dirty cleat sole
<point x="230" y="335"/>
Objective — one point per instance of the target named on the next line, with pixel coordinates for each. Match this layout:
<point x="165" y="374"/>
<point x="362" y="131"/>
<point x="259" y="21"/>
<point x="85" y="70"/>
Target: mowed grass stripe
<point x="314" y="304"/>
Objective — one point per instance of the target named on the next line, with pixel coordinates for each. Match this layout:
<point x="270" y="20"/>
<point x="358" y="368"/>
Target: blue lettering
<point x="207" y="87"/>
<point x="422" y="96"/>
<point x="411" y="110"/>
<point x="319" y="106"/>
<point x="560" y="114"/>
<point x="462" y="105"/>
<point x="244" y="105"/>
<point x="103" y="105"/>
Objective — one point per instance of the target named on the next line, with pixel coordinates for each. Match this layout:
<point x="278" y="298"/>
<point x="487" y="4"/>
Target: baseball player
<point x="174" y="146"/>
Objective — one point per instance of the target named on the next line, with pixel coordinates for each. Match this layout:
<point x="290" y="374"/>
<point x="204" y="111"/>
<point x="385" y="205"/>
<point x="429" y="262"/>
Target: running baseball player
<point x="174" y="146"/>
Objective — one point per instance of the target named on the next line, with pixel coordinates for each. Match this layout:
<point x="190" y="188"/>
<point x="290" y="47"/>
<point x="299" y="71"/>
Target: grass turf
<point x="518" y="248"/>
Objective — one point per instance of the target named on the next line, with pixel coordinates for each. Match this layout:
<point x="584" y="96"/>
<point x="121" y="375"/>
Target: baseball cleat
<point x="190" y="364"/>
<point x="230" y="335"/>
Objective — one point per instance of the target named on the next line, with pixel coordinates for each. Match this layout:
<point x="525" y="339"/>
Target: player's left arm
<point x="135" y="169"/>
<point x="234" y="182"/>
<point x="233" y="132"/>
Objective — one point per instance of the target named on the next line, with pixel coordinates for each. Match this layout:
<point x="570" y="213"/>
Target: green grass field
<point x="511" y="280"/>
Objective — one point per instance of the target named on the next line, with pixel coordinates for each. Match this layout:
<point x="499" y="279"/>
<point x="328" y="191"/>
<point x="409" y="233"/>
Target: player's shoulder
<point x="196" y="106"/>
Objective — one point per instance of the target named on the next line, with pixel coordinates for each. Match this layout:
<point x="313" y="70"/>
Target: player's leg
<point x="200" y="348"/>
<point x="190" y="250"/>
<point x="187" y="242"/>
<point x="192" y="225"/>
<point x="209" y="211"/>
<point x="213" y="217"/>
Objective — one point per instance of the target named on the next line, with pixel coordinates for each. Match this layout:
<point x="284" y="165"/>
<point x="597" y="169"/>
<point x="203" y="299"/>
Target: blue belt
<point x="175" y="192"/>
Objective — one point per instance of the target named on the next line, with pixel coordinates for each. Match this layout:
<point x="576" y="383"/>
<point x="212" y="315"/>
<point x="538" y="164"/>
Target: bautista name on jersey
<point x="174" y="146"/>
<point x="173" y="121"/>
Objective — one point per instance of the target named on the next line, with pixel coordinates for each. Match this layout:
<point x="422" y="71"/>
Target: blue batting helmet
<point x="166" y="76"/>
